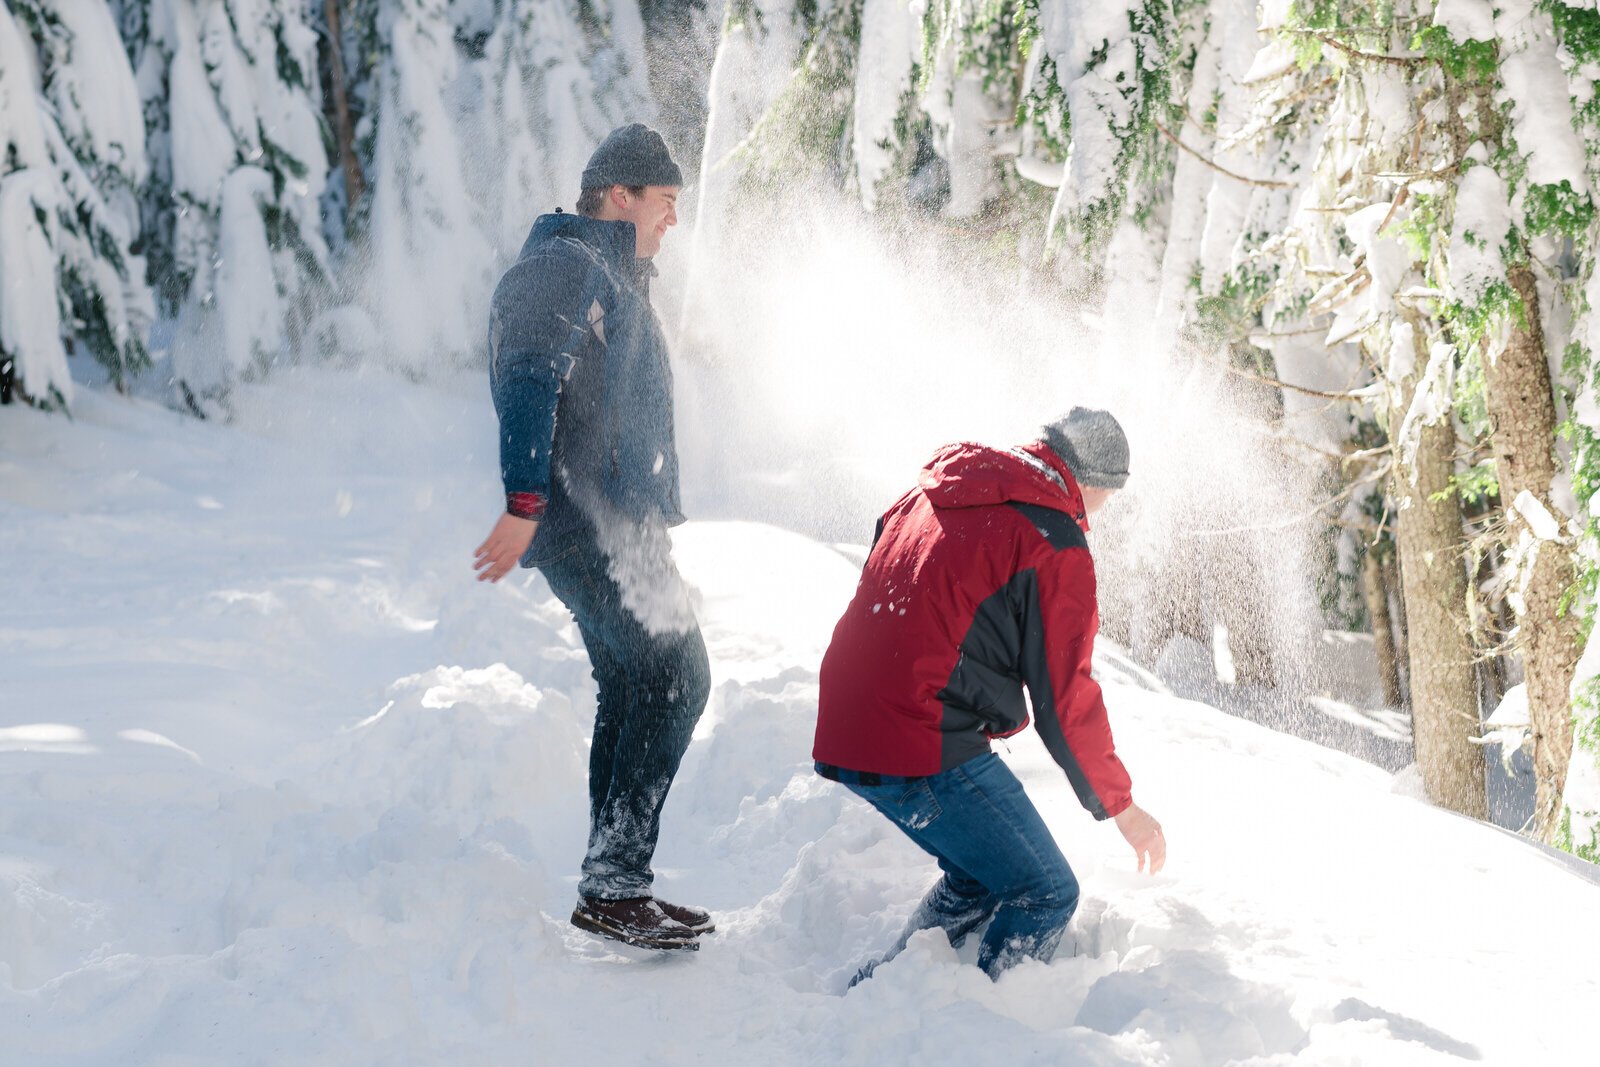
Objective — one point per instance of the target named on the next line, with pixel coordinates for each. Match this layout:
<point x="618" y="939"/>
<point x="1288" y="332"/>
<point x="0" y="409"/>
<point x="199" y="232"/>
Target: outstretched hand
<point x="503" y="547"/>
<point x="1143" y="832"/>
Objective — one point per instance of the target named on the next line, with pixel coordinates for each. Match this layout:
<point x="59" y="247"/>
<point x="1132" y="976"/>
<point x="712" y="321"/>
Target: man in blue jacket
<point x="578" y="367"/>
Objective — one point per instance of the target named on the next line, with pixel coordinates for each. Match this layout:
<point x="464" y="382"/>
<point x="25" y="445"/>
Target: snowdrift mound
<point x="466" y="747"/>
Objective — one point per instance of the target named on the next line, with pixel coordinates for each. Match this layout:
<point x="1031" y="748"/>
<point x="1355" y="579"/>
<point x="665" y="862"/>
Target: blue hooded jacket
<point x="579" y="372"/>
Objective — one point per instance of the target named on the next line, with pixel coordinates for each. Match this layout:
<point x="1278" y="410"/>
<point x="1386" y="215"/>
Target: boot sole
<point x="593" y="925"/>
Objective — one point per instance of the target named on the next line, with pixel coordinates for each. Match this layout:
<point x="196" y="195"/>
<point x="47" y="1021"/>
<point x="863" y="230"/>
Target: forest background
<point x="1342" y="254"/>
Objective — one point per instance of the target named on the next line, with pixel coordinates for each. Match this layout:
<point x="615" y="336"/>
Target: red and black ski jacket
<point x="979" y="583"/>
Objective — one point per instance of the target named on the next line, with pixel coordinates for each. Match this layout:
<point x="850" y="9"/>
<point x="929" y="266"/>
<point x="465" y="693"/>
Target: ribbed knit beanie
<point x="1091" y="443"/>
<point x="631" y="155"/>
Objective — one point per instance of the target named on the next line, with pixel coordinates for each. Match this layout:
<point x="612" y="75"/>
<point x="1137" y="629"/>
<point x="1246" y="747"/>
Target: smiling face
<point x="652" y="213"/>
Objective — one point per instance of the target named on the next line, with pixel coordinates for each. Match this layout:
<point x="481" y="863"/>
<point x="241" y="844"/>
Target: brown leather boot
<point x="638" y="921"/>
<point x="696" y="919"/>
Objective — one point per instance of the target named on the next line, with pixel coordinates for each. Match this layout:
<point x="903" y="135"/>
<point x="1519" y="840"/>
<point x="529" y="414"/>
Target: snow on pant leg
<point x="653" y="685"/>
<point x="976" y="820"/>
<point x="667" y="692"/>
<point x="958" y="903"/>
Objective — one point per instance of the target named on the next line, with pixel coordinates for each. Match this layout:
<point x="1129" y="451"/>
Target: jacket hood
<point x="967" y="475"/>
<point x="615" y="240"/>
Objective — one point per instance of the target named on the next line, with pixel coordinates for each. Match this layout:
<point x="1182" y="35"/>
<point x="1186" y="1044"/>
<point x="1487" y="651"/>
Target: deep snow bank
<point x="280" y="784"/>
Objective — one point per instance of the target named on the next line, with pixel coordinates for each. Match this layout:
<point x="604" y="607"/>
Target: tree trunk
<point x="1396" y="602"/>
<point x="1522" y="418"/>
<point x="355" y="183"/>
<point x="1377" y="598"/>
<point x="1444" y="688"/>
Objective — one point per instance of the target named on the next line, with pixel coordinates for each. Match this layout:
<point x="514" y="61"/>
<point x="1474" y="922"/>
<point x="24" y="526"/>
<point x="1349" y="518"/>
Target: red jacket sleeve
<point x="1069" y="711"/>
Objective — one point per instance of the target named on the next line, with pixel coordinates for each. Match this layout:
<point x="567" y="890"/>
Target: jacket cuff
<point x="1116" y="806"/>
<point x="526" y="505"/>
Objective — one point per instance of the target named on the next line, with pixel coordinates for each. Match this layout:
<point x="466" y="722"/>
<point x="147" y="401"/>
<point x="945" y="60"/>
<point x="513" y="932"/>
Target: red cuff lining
<point x="526" y="505"/>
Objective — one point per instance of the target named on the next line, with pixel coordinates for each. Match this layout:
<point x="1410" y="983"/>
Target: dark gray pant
<point x="653" y="688"/>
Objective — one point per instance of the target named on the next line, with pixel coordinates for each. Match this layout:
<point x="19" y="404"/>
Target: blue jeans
<point x="652" y="690"/>
<point x="1000" y="863"/>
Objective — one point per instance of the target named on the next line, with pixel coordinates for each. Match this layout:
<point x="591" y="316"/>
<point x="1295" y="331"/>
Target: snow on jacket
<point x="979" y="583"/>
<point x="579" y="372"/>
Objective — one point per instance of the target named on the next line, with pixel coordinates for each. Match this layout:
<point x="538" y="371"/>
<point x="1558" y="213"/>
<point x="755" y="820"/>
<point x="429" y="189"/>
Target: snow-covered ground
<point x="281" y="784"/>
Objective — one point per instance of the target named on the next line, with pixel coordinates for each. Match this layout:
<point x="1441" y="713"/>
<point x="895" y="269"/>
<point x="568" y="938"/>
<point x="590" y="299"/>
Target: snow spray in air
<point x="827" y="352"/>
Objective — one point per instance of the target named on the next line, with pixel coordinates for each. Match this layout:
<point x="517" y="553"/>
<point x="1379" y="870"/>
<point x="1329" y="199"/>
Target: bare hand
<point x="503" y="547"/>
<point x="1144" y="834"/>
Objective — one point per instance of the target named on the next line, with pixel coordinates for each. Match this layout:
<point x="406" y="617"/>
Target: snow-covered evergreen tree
<point x="474" y="118"/>
<point x="71" y="159"/>
<point x="1111" y="62"/>
<point x="757" y="53"/>
<point x="886" y="72"/>
<point x="430" y="263"/>
<point x="212" y="159"/>
<point x="239" y="162"/>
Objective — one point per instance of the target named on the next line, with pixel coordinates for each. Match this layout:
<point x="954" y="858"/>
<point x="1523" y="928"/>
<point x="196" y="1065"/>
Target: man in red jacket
<point x="980" y="583"/>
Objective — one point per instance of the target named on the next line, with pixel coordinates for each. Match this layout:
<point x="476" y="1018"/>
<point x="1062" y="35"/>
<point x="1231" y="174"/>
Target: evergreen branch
<point x="1383" y="519"/>
<point x="1344" y="459"/>
<point x="1377" y="529"/>
<point x="1256" y="376"/>
<point x="1364" y="453"/>
<point x="1286" y="333"/>
<point x="1394" y="206"/>
<point x="1449" y="170"/>
<point x="1262" y="182"/>
<point x="1299" y="517"/>
<point x="1357" y="53"/>
<point x="1269" y="119"/>
<point x="1338" y="295"/>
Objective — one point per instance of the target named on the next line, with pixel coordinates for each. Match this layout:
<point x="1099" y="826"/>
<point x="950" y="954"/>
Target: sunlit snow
<point x="252" y="812"/>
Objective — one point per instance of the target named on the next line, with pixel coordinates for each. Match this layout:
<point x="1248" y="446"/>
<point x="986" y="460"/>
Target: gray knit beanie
<point x="1091" y="443"/>
<point x="631" y="155"/>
